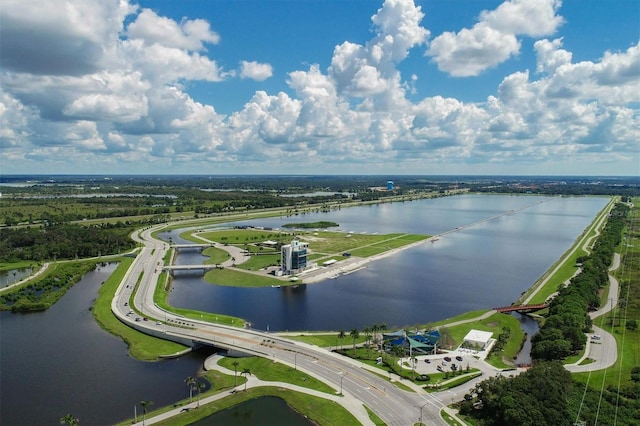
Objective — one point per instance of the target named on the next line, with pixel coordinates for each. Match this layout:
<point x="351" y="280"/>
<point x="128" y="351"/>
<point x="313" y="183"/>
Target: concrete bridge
<point x="203" y="268"/>
<point x="522" y="308"/>
<point x="192" y="246"/>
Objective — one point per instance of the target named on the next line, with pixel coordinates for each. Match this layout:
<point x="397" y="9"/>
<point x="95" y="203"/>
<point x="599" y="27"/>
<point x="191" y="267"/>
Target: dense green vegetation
<point x="535" y="397"/>
<point x="564" y="328"/>
<point x="63" y="242"/>
<point x="40" y="294"/>
<point x="55" y="199"/>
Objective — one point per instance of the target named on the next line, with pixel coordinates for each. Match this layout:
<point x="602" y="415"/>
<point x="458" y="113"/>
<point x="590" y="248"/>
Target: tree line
<point x="64" y="241"/>
<point x="564" y="328"/>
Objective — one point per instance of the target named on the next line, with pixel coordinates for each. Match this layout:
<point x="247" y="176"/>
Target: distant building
<point x="389" y="185"/>
<point x="294" y="257"/>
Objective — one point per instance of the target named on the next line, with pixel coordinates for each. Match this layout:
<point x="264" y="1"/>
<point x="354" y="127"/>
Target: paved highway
<point x="394" y="406"/>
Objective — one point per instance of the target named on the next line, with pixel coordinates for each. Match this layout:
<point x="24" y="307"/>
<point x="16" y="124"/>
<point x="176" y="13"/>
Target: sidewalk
<point x="347" y="401"/>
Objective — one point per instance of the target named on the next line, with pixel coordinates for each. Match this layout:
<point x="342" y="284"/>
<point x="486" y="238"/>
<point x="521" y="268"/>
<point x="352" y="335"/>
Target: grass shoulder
<point x="141" y="346"/>
<point x="269" y="370"/>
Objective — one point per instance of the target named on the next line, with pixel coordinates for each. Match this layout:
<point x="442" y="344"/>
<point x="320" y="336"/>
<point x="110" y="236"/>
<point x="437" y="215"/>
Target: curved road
<point x="394" y="406"/>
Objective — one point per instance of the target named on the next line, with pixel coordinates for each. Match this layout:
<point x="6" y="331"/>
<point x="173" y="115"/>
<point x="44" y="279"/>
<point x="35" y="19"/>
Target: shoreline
<point x="352" y="264"/>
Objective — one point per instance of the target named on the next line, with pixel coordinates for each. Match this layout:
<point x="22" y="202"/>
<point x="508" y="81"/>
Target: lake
<point x="503" y="245"/>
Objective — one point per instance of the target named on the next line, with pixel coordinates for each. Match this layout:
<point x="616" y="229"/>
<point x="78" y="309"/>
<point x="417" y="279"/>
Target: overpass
<point x="522" y="308"/>
<point x="173" y="268"/>
<point x="192" y="246"/>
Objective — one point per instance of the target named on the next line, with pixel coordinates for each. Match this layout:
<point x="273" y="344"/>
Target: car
<point x="448" y="359"/>
<point x="428" y="361"/>
<point x="137" y="319"/>
<point x="145" y="319"/>
<point x="458" y="358"/>
<point x="444" y="363"/>
<point x="126" y="304"/>
<point x="439" y="368"/>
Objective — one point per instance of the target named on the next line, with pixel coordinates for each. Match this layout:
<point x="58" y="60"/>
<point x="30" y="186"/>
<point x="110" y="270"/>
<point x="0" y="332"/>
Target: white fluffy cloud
<point x="255" y="71"/>
<point x="154" y="29"/>
<point x="493" y="39"/>
<point x="92" y="90"/>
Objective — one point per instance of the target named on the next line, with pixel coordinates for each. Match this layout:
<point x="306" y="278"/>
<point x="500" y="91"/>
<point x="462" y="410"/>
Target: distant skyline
<point x="442" y="87"/>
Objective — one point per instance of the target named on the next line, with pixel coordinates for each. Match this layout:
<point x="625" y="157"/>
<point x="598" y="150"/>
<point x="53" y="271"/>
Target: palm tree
<point x="341" y="335"/>
<point x="144" y="409"/>
<point x="245" y="371"/>
<point x="199" y="387"/>
<point x="69" y="420"/>
<point x="235" y="373"/>
<point x="354" y="335"/>
<point x="191" y="382"/>
<point x="375" y="328"/>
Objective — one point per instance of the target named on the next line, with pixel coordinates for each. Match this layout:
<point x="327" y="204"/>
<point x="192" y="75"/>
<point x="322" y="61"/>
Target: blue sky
<point x="537" y="87"/>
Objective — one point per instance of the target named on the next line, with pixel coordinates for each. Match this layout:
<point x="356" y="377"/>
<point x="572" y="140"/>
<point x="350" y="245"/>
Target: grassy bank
<point x="141" y="346"/>
<point x="268" y="370"/>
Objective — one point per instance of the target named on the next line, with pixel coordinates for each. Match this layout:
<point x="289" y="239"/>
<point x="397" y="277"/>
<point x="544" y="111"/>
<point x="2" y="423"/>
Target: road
<point x="393" y="405"/>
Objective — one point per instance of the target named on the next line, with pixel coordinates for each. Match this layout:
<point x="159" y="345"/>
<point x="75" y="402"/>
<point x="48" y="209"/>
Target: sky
<point x="300" y="87"/>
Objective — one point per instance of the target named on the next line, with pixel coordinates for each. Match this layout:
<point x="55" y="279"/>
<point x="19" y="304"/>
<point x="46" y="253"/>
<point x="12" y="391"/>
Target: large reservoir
<point x="490" y="250"/>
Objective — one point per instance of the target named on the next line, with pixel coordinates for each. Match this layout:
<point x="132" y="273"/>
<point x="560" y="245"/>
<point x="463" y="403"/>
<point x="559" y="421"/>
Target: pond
<point x="263" y="411"/>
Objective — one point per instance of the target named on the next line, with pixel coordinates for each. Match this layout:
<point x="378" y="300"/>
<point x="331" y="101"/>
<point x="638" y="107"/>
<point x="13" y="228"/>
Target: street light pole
<point x="342" y="375"/>
<point x="421" y="412"/>
<point x="295" y="360"/>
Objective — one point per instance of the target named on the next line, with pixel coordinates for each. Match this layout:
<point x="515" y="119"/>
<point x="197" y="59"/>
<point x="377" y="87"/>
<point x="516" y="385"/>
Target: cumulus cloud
<point x="58" y="37"/>
<point x="493" y="39"/>
<point x="255" y="71"/>
<point x="188" y="34"/>
<point x="121" y="95"/>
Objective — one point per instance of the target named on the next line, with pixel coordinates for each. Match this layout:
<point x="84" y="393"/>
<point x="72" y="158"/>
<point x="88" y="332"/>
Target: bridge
<point x="522" y="308"/>
<point x="173" y="268"/>
<point x="192" y="246"/>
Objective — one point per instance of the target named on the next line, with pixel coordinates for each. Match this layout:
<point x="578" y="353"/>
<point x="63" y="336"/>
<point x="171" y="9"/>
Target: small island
<point x="311" y="225"/>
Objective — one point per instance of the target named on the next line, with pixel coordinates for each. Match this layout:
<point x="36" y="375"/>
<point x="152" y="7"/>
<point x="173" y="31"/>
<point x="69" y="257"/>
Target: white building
<point x="477" y="339"/>
<point x="294" y="257"/>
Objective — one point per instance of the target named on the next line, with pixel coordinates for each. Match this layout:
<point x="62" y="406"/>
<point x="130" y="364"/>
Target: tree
<point x="245" y="371"/>
<point x="354" y="335"/>
<point x="191" y="382"/>
<point x="69" y="420"/>
<point x="375" y="328"/>
<point x="235" y="373"/>
<point x="144" y="405"/>
<point x="199" y="386"/>
<point x="341" y="335"/>
<point x="367" y="333"/>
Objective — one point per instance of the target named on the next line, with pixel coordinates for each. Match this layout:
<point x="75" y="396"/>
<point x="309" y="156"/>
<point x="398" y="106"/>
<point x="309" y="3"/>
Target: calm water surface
<point x="504" y="244"/>
<point x="264" y="411"/>
<point x="61" y="362"/>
